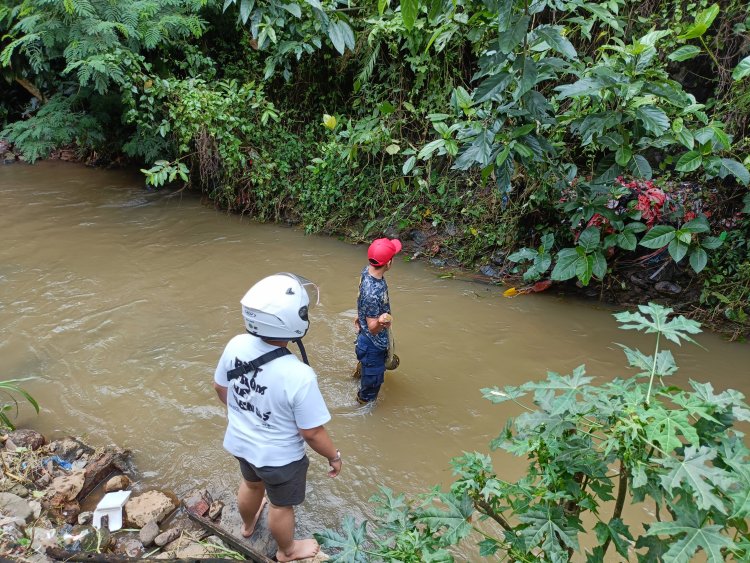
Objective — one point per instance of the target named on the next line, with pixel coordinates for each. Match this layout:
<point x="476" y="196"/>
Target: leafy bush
<point x="54" y="125"/>
<point x="590" y="449"/>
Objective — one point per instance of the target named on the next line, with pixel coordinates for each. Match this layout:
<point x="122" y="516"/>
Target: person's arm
<point x="221" y="392"/>
<point x="319" y="440"/>
<point x="377" y="324"/>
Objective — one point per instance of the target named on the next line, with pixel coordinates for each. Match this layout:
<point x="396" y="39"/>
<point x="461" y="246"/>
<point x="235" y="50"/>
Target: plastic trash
<point x="111" y="507"/>
<point x="57" y="460"/>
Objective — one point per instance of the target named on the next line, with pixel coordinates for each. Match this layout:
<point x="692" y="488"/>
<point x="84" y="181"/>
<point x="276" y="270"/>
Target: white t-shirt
<point x="267" y="409"/>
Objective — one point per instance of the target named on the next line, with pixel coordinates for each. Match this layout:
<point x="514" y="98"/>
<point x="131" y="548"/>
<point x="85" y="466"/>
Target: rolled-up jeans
<point x="372" y="359"/>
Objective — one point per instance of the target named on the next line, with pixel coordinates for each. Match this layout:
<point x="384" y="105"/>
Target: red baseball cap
<point x="382" y="250"/>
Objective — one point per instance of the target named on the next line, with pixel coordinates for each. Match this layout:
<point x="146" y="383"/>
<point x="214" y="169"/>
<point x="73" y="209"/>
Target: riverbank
<point x="52" y="495"/>
<point x="634" y="279"/>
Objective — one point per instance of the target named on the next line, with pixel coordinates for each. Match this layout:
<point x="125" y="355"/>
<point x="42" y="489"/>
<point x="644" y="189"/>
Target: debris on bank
<point x="50" y="493"/>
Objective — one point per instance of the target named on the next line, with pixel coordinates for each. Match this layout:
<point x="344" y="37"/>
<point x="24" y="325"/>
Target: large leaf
<point x="674" y="329"/>
<point x="689" y="161"/>
<point x="545" y="527"/>
<point x="692" y="539"/>
<point x="666" y="426"/>
<point x="697" y="474"/>
<point x="409" y="11"/>
<point x="698" y="260"/>
<point x="618" y="532"/>
<point x="640" y="167"/>
<point x="589" y="239"/>
<point x="583" y="87"/>
<point x="511" y="38"/>
<point x="556" y="40"/>
<point x="565" y="267"/>
<point x="659" y="236"/>
<point x="453" y="523"/>
<point x="350" y="543"/>
<point x="491" y="87"/>
<point x="654" y="119"/>
<point x="736" y="169"/>
<point x="742" y="69"/>
<point x="684" y="53"/>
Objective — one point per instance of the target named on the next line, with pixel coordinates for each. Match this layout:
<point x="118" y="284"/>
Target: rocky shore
<point x="50" y="491"/>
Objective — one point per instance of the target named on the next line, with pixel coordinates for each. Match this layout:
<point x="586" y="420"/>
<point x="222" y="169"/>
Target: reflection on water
<point x="119" y="301"/>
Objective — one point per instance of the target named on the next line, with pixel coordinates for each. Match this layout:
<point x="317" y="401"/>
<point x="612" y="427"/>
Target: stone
<point x="42" y="538"/>
<point x="25" y="438"/>
<point x="85" y="517"/>
<point x="194" y="551"/>
<point x="15" y="507"/>
<point x="215" y="510"/>
<point x="67" y="486"/>
<point x="148" y="533"/>
<point x="167" y="537"/>
<point x="668" y="288"/>
<point x="36" y="508"/>
<point x="117" y="483"/>
<point x="19" y="489"/>
<point x="488" y="271"/>
<point x="68" y="449"/>
<point x="151" y="505"/>
<point x="128" y="547"/>
<point x="498" y="258"/>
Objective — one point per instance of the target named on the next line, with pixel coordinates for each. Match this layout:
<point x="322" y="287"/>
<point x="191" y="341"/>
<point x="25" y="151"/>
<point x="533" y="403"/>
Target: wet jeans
<point x="372" y="359"/>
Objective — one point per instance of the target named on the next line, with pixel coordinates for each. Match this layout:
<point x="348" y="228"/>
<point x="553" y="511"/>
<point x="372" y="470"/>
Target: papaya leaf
<point x="664" y="426"/>
<point x="696" y="474"/>
<point x="674" y="330"/>
<point x="708" y="537"/>
<point x="349" y="545"/>
<point x="453" y="523"/>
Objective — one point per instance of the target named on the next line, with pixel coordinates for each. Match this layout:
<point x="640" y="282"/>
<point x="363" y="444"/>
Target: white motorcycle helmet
<point x="276" y="308"/>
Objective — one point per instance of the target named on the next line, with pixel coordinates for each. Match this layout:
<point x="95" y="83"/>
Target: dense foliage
<point x="673" y="454"/>
<point x="572" y="137"/>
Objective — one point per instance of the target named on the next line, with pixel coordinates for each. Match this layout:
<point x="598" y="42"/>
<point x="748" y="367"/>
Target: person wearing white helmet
<point x="274" y="407"/>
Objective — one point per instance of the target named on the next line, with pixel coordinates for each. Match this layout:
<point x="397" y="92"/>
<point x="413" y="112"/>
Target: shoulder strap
<point x="254" y="365"/>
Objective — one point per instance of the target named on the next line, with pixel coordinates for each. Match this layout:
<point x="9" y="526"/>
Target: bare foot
<point x="301" y="549"/>
<point x="247" y="531"/>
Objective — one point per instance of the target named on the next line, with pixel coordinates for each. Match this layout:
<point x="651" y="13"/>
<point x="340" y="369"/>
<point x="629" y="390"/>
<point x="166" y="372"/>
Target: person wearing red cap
<point x="374" y="317"/>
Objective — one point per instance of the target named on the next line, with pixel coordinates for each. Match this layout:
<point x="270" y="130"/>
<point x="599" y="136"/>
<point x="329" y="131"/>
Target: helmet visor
<point x="312" y="290"/>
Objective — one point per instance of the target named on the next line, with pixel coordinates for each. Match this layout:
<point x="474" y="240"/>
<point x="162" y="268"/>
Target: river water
<point x="118" y="302"/>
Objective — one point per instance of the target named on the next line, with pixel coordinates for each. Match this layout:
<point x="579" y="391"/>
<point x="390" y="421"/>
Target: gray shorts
<point x="285" y="485"/>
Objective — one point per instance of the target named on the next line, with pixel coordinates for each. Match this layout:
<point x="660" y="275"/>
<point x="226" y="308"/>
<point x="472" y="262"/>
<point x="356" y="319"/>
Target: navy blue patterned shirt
<point x="372" y="301"/>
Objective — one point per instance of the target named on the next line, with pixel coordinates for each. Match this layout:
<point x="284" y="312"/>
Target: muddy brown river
<point x="118" y="301"/>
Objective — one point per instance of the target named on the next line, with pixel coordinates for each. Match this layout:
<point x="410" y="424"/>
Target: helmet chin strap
<point x="301" y="350"/>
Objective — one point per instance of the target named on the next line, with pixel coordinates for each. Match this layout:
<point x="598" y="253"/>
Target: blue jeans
<point x="372" y="359"/>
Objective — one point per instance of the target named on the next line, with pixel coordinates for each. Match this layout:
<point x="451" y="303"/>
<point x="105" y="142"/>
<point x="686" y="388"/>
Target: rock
<point x="69" y="449"/>
<point x="87" y="539"/>
<point x="117" y="483"/>
<point x="148" y="533"/>
<point x="489" y="271"/>
<point x="215" y="510"/>
<point x="151" y="505"/>
<point x="24" y="438"/>
<point x="437" y="262"/>
<point x="19" y="489"/>
<point x="418" y="237"/>
<point x="85" y="517"/>
<point x="668" y="288"/>
<point x="15" y="507"/>
<point x="194" y="551"/>
<point x="42" y="538"/>
<point x="166" y="537"/>
<point x="36" y="508"/>
<point x="498" y="258"/>
<point x="450" y="229"/>
<point x="128" y="547"/>
<point x="67" y="486"/>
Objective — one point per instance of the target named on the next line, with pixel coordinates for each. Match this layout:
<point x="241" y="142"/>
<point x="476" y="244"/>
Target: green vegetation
<point x="672" y="453"/>
<point x="574" y="137"/>
<point x="9" y="389"/>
